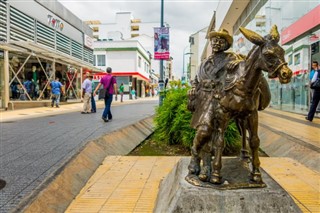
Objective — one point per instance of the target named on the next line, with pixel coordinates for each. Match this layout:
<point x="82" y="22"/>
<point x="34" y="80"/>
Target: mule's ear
<point x="252" y="36"/>
<point x="274" y="33"/>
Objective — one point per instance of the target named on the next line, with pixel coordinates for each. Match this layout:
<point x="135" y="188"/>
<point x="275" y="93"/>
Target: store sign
<point x="88" y="41"/>
<point x="55" y="23"/>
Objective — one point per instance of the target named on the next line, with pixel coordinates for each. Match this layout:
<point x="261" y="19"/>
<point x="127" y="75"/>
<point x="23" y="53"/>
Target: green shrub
<point x="172" y="123"/>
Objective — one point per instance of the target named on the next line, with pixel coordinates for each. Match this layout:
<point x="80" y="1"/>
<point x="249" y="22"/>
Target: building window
<point x="315" y="48"/>
<point x="290" y="59"/>
<point x="94" y="60"/>
<point x="191" y="40"/>
<point x="101" y="60"/>
<point x="139" y="61"/>
<point x="297" y="59"/>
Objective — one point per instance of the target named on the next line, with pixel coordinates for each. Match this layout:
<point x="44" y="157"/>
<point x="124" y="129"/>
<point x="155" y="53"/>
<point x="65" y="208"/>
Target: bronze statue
<point x="230" y="86"/>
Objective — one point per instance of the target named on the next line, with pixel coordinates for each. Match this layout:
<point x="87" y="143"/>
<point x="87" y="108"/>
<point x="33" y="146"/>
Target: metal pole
<point x="6" y="79"/>
<point x="183" y="78"/>
<point x="161" y="82"/>
<point x="183" y="62"/>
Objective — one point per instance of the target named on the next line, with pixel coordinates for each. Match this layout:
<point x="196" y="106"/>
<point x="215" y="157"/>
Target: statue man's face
<point x="218" y="44"/>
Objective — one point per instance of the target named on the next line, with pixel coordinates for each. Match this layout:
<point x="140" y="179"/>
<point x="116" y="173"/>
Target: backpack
<point x="316" y="85"/>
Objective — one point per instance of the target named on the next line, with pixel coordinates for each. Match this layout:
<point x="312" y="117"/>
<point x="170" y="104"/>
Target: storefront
<point x="35" y="48"/>
<point x="130" y="80"/>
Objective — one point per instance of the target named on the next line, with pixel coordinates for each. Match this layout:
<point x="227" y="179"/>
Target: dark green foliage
<point x="232" y="139"/>
<point x="173" y="119"/>
<point x="172" y="123"/>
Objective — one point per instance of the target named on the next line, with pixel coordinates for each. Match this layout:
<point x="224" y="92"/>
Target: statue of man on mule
<point x="231" y="86"/>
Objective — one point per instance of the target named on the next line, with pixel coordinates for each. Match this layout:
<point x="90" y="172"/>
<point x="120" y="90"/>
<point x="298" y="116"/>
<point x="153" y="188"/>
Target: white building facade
<point x="197" y="43"/>
<point x="129" y="61"/>
<point x="127" y="28"/>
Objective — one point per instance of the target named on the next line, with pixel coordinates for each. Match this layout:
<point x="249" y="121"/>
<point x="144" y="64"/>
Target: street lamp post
<point x="161" y="82"/>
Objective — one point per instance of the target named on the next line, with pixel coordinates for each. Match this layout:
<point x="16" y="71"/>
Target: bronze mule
<point x="241" y="101"/>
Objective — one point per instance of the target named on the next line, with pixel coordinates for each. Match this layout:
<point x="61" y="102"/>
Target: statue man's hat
<point x="223" y="33"/>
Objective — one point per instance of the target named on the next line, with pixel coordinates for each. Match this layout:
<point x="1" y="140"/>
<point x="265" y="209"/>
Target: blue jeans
<point x="314" y="104"/>
<point x="107" y="109"/>
<point x="93" y="104"/>
<point x="55" y="98"/>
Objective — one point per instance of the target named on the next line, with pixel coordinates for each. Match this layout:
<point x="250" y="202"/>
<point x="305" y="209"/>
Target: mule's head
<point x="271" y="55"/>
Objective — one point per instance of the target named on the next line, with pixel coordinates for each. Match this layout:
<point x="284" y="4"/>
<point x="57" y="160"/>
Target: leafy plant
<point x="172" y="123"/>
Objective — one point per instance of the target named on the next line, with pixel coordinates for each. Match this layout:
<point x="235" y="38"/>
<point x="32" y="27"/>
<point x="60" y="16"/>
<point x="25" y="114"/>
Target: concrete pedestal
<point x="177" y="195"/>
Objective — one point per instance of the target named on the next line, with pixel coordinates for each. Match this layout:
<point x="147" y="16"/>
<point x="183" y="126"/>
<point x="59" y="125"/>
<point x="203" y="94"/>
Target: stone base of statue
<point x="235" y="176"/>
<point x="2" y="184"/>
<point x="236" y="194"/>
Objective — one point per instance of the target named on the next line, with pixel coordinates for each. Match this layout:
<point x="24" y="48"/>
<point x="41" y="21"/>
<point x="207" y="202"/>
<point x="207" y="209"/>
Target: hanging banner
<point x="161" y="43"/>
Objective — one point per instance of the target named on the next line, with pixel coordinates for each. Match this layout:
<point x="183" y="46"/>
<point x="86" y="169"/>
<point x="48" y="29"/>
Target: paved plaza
<point x="34" y="149"/>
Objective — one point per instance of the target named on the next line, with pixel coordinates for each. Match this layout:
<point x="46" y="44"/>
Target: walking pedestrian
<point x="313" y="71"/>
<point x="110" y="86"/>
<point x="93" y="101"/>
<point x="121" y="90"/>
<point x="315" y="98"/>
<point x="56" y="90"/>
<point x="133" y="93"/>
<point x="86" y="93"/>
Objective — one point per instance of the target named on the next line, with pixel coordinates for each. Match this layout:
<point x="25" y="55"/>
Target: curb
<point x="279" y="144"/>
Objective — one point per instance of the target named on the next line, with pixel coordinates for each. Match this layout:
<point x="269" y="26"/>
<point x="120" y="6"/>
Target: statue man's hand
<point x="233" y="64"/>
<point x="192" y="92"/>
<point x="191" y="100"/>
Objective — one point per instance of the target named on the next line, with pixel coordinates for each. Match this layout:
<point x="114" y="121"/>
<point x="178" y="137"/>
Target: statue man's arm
<point x="235" y="59"/>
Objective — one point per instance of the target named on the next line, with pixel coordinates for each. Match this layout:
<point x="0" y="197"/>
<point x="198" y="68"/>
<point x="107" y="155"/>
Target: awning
<point x="46" y="53"/>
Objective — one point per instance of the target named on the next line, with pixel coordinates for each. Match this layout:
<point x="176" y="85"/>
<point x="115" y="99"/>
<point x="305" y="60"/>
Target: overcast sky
<point x="185" y="17"/>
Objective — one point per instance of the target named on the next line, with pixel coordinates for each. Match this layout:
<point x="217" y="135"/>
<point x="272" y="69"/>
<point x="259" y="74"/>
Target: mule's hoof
<point x="244" y="155"/>
<point x="256" y="178"/>
<point x="203" y="177"/>
<point x="214" y="179"/>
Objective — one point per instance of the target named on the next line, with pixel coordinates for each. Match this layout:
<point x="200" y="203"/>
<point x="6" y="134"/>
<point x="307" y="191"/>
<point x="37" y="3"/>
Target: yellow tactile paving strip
<point x="301" y="130"/>
<point x="130" y="184"/>
<point x="301" y="183"/>
<point x="123" y="184"/>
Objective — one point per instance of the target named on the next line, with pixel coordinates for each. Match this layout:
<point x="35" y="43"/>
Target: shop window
<point x="101" y="60"/>
<point x="315" y="48"/>
<point x="297" y="59"/>
<point x="139" y="61"/>
<point x="290" y="59"/>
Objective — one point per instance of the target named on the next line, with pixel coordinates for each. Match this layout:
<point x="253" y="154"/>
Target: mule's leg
<point x="203" y="135"/>
<point x="254" y="142"/>
<point x="242" y="127"/>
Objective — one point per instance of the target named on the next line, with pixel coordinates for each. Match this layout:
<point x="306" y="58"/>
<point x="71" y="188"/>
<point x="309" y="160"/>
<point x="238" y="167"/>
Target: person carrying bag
<point x="110" y="83"/>
<point x="315" y="85"/>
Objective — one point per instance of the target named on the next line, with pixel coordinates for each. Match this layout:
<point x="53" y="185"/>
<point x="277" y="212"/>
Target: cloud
<point x="184" y="17"/>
